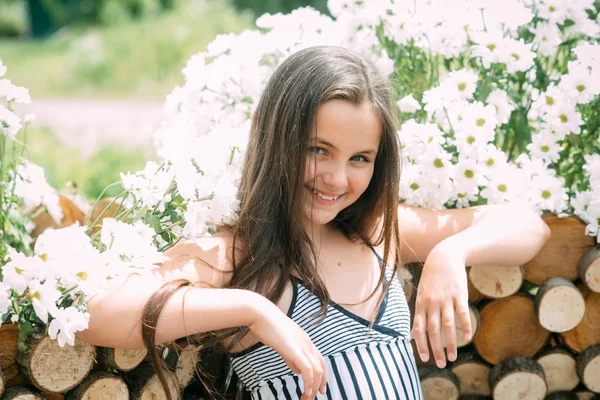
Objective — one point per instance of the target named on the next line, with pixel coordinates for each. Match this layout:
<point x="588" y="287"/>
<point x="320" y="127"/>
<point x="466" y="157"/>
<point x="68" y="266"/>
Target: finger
<point x="435" y="338"/>
<point x="317" y="373"/>
<point x="464" y="317"/>
<point x="449" y="329"/>
<point x="323" y="386"/>
<point x="419" y="333"/>
<point x="306" y="371"/>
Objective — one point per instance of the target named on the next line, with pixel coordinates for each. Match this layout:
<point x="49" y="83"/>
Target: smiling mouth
<point x="324" y="197"/>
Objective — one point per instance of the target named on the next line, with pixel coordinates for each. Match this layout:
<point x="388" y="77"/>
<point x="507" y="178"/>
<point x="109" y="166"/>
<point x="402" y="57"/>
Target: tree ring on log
<point x="144" y="384"/>
<point x="561" y="254"/>
<point x="589" y="269"/>
<point x="588" y="367"/>
<point x="100" y="386"/>
<point x="587" y="333"/>
<point x="121" y="359"/>
<point x="560" y="306"/>
<point x="22" y="393"/>
<point x="560" y="369"/>
<point x="56" y="369"/>
<point x="509" y="327"/>
<point x="473" y="374"/>
<point x="587" y="395"/>
<point x="439" y="384"/>
<point x="186" y="365"/>
<point x="518" y="378"/>
<point x="496" y="281"/>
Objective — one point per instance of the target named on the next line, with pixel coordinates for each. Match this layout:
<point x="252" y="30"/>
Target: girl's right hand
<point x="276" y="330"/>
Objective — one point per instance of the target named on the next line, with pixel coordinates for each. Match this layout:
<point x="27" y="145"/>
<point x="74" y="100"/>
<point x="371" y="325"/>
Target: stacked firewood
<point x="42" y="370"/>
<point x="536" y="326"/>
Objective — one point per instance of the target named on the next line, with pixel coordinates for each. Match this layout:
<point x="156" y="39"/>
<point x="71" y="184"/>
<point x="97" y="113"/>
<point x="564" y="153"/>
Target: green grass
<point x="93" y="173"/>
<point x="141" y="59"/>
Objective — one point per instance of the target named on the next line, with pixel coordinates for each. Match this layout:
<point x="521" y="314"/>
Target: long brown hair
<point x="269" y="232"/>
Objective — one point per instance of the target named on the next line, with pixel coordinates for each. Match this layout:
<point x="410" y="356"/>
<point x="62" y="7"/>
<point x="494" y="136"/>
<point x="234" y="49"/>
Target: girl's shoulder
<point x="207" y="261"/>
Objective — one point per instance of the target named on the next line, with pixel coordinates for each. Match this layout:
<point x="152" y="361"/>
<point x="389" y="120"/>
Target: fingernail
<point x="440" y="363"/>
<point x="424" y="357"/>
<point x="467" y="337"/>
<point x="451" y="356"/>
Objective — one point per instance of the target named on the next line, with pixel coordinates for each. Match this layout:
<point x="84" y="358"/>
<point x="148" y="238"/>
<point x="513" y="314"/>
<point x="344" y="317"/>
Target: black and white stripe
<point x="361" y="364"/>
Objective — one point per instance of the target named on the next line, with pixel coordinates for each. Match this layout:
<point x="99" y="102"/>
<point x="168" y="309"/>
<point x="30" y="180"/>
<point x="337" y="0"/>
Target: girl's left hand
<point x="442" y="292"/>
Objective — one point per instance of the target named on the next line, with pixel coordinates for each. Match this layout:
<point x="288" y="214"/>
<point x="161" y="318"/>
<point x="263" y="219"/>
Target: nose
<point x="335" y="177"/>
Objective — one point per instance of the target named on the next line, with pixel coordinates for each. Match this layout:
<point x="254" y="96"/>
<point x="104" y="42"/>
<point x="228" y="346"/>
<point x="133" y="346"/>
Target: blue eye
<point x="316" y="150"/>
<point x="359" y="158"/>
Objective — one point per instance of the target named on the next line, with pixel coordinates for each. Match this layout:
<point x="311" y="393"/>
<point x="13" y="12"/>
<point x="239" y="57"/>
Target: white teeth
<point x="324" y="197"/>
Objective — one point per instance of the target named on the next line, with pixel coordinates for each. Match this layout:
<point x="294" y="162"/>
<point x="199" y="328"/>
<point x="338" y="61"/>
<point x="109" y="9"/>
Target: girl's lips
<point x="322" y="201"/>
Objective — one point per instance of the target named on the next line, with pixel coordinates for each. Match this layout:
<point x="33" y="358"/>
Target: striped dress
<point x="360" y="364"/>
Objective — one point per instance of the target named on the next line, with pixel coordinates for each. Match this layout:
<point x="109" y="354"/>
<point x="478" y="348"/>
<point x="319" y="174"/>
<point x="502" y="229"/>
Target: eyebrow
<point x="326" y="143"/>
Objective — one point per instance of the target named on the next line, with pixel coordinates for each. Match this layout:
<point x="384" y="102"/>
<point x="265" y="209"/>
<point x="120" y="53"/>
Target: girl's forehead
<point x="344" y="124"/>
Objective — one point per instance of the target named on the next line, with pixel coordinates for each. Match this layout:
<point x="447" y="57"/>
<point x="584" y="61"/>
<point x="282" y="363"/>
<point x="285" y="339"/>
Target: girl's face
<point x="341" y="158"/>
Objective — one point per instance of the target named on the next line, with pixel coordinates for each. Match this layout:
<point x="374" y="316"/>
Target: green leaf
<point x="519" y="124"/>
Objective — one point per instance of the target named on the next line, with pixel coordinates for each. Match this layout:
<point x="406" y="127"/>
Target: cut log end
<point x="473" y="374"/>
<point x="100" y="386"/>
<point x="560" y="306"/>
<point x="144" y="384"/>
<point x="587" y="333"/>
<point x="121" y="359"/>
<point x="21" y="393"/>
<point x="562" y="253"/>
<point x="496" y="281"/>
<point x="186" y="366"/>
<point x="518" y="378"/>
<point x="56" y="369"/>
<point x="439" y="384"/>
<point x="589" y="269"/>
<point x="509" y="327"/>
<point x="588" y="367"/>
<point x="560" y="368"/>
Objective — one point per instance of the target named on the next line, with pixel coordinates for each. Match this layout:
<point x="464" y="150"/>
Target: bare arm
<point x="501" y="234"/>
<point x="116" y="314"/>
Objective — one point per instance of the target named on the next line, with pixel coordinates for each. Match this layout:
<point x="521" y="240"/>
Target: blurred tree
<point x="274" y="6"/>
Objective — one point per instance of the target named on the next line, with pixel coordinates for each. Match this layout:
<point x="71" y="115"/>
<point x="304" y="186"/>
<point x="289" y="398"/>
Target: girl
<point x="303" y="288"/>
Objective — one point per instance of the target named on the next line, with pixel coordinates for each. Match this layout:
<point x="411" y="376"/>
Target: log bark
<point x="52" y="368"/>
<point x="144" y="384"/>
<point x="439" y="384"/>
<point x="588" y="367"/>
<point x="496" y="281"/>
<point x="100" y="386"/>
<point x="589" y="269"/>
<point x="9" y="335"/>
<point x="509" y="327"/>
<point x="21" y="393"/>
<point x="559" y="305"/>
<point x="561" y="254"/>
<point x="587" y="332"/>
<point x="473" y="373"/>
<point x="563" y="395"/>
<point x="518" y="378"/>
<point x="121" y="359"/>
<point x="559" y="367"/>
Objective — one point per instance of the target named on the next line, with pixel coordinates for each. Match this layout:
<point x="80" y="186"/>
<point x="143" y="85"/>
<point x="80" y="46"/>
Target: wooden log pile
<point x="43" y="370"/>
<point x="536" y="326"/>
